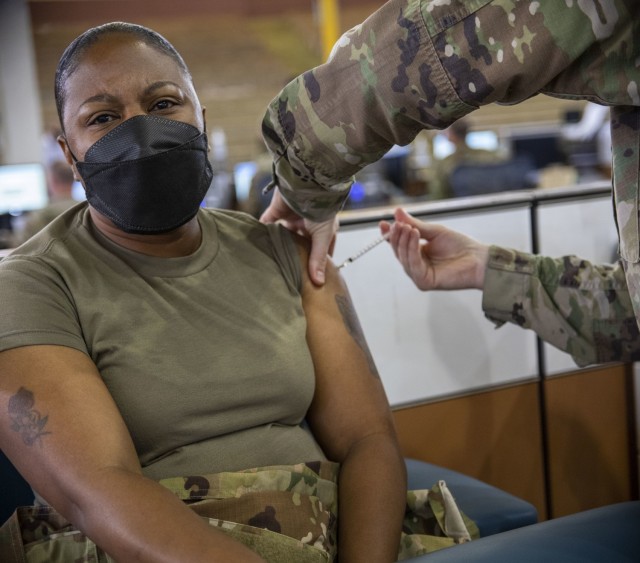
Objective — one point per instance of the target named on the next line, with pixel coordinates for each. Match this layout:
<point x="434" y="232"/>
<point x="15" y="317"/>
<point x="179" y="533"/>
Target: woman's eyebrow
<point x="108" y="98"/>
<point x="99" y="98"/>
<point x="160" y="84"/>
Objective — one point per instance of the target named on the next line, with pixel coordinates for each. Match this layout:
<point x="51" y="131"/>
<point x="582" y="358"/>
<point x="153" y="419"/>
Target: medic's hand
<point x="435" y="257"/>
<point x="322" y="234"/>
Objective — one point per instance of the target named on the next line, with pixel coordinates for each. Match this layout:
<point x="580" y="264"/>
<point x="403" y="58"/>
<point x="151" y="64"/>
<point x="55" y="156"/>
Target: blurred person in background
<point x="60" y="187"/>
<point x="456" y="134"/>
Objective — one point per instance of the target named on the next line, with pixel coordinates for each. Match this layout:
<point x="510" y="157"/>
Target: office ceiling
<point x="45" y="12"/>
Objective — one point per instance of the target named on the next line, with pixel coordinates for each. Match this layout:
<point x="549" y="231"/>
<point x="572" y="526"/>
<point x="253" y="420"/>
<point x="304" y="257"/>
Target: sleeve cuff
<point x="506" y="285"/>
<point x="307" y="198"/>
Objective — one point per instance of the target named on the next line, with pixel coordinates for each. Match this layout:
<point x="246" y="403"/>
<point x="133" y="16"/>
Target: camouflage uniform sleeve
<point x="423" y="64"/>
<point x="578" y="307"/>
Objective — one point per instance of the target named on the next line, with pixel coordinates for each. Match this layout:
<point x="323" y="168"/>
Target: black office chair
<point x="469" y="179"/>
<point x="14" y="489"/>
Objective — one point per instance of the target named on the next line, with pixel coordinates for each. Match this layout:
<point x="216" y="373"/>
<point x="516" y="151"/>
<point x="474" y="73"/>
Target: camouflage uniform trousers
<point x="287" y="514"/>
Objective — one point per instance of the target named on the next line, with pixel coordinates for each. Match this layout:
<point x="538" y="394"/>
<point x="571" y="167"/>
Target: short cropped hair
<point x="460" y="128"/>
<point x="70" y="59"/>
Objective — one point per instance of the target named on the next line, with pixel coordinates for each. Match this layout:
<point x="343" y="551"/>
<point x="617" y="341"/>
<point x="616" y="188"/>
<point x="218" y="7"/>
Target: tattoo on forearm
<point x="355" y="330"/>
<point x="26" y="420"/>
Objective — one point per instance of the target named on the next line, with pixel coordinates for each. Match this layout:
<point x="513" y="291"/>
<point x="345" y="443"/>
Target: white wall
<point x="20" y="112"/>
<point x="427" y="345"/>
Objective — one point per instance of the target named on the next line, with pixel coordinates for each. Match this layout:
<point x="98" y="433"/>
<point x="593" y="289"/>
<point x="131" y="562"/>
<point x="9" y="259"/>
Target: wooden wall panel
<point x="590" y="437"/>
<point x="494" y="436"/>
<point x="497" y="437"/>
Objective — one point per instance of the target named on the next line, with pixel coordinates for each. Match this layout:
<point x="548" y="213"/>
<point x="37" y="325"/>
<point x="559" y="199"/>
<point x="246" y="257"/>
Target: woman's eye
<point x="101" y="119"/>
<point x="163" y="104"/>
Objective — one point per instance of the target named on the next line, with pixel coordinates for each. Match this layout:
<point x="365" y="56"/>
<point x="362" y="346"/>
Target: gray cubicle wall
<point x="430" y="345"/>
<point x="438" y="344"/>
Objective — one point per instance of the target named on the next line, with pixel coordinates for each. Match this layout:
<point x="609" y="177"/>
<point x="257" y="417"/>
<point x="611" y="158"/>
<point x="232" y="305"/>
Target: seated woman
<point x="144" y="339"/>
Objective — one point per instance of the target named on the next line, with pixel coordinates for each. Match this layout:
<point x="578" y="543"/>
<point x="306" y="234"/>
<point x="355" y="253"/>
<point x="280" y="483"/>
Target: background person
<point x="440" y="185"/>
<point x="257" y="200"/>
<point x="60" y="188"/>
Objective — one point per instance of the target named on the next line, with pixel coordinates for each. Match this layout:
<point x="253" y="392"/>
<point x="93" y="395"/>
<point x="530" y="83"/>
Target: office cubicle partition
<point x="498" y="403"/>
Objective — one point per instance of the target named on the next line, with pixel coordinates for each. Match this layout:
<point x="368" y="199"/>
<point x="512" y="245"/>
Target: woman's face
<point x="120" y="77"/>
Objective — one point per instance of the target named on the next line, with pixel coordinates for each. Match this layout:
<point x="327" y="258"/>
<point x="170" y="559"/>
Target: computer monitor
<point x="243" y="173"/>
<point x="23" y="187"/>
<point x="487" y="140"/>
<point x="77" y="191"/>
<point x="542" y="146"/>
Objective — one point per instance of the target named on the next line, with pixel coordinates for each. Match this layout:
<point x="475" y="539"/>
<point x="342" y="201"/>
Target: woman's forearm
<point x="373" y="493"/>
<point x="134" y="519"/>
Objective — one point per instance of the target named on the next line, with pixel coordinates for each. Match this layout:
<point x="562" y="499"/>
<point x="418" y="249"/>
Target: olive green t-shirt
<point x="205" y="355"/>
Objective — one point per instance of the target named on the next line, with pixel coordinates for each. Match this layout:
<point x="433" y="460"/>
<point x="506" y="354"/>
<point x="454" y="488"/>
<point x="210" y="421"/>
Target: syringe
<point x="365" y="250"/>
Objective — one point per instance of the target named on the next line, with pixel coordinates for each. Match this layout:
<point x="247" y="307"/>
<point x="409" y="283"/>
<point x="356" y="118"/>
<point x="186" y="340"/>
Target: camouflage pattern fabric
<point x="578" y="307"/>
<point x="298" y="505"/>
<point x="433" y="521"/>
<point x="287" y="514"/>
<point x="423" y="64"/>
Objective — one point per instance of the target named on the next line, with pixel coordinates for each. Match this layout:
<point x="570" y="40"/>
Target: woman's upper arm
<point x="59" y="424"/>
<point x="350" y="402"/>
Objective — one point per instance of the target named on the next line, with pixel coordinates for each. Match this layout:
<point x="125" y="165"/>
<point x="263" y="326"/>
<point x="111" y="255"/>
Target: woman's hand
<point x="436" y="257"/>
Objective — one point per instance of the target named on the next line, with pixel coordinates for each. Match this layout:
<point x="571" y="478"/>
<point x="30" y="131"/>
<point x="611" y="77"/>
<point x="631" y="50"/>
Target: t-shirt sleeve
<point x="37" y="308"/>
<point x="286" y="255"/>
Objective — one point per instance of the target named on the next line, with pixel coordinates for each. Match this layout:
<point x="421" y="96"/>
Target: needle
<point x="365" y="250"/>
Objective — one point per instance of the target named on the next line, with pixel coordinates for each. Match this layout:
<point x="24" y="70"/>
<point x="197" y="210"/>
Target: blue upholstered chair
<point x="469" y="179"/>
<point x="492" y="509"/>
<point x="509" y="533"/>
<point x="602" y="535"/>
<point x="14" y="490"/>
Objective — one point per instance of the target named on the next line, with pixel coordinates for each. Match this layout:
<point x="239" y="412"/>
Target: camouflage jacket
<point x="423" y="64"/>
<point x="579" y="307"/>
